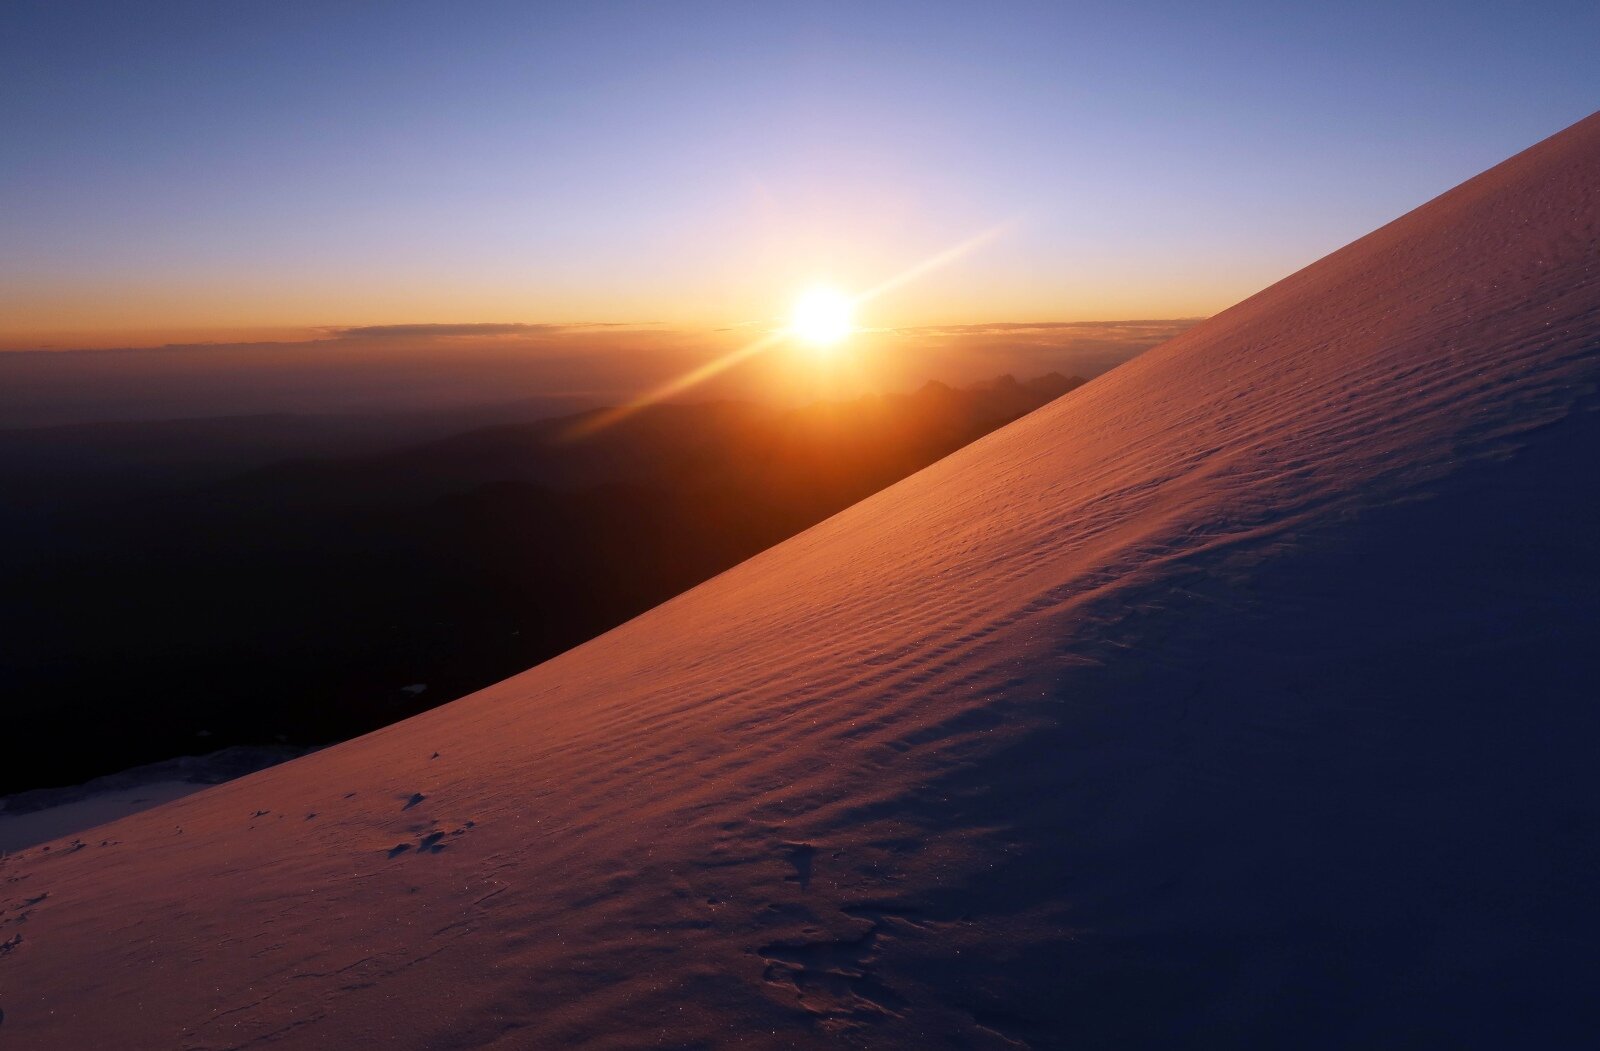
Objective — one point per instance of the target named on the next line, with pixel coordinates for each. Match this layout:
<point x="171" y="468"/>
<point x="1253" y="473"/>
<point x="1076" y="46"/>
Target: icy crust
<point x="43" y="814"/>
<point x="1242" y="697"/>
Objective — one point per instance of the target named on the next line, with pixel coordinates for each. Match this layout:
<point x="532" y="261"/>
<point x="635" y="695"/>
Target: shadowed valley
<point x="314" y="599"/>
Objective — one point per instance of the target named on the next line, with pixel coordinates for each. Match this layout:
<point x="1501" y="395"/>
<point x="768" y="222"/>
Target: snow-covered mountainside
<point x="1245" y="696"/>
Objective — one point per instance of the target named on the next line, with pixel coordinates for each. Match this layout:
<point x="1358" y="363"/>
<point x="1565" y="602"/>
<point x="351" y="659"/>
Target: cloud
<point x="442" y="331"/>
<point x="1005" y="327"/>
<point x="479" y="328"/>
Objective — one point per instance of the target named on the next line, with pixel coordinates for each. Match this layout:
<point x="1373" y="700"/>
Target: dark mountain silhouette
<point x="297" y="602"/>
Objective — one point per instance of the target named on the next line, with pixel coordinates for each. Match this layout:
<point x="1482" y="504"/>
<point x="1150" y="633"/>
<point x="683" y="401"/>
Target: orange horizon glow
<point x="242" y="307"/>
<point x="822" y="316"/>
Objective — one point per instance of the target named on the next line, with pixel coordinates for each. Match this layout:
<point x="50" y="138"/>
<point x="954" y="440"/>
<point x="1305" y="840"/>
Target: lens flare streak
<point x="694" y="377"/>
<point x="673" y="387"/>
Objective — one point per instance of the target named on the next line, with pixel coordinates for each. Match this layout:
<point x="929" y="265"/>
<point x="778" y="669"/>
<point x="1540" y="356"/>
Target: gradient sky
<point x="233" y="168"/>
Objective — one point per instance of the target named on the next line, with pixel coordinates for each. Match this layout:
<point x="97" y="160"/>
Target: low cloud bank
<point x="486" y="328"/>
<point x="389" y="368"/>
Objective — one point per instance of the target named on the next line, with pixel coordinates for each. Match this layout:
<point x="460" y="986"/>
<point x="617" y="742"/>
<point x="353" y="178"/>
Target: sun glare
<point x="822" y="317"/>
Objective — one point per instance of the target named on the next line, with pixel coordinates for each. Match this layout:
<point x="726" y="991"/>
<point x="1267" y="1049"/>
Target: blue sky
<point x="214" y="165"/>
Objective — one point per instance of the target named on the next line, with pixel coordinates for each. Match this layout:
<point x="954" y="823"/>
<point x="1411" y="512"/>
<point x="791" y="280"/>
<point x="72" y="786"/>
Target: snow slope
<point x="1243" y="697"/>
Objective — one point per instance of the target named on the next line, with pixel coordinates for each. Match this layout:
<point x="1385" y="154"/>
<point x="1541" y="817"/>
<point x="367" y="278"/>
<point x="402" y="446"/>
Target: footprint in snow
<point x="431" y="842"/>
<point x="801" y="856"/>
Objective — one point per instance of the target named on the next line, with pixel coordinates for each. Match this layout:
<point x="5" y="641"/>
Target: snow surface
<point x="1242" y="697"/>
<point x="43" y="814"/>
<point x="82" y="815"/>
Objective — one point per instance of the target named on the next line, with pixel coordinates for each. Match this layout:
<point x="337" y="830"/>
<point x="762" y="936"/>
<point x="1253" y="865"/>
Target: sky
<point x="203" y="171"/>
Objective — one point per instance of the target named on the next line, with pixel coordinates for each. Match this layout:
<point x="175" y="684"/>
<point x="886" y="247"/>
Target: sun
<point x="822" y="317"/>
